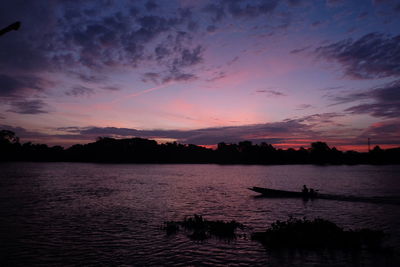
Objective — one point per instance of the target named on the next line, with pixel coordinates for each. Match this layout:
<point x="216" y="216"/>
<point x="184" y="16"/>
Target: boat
<point x="267" y="192"/>
<point x="275" y="193"/>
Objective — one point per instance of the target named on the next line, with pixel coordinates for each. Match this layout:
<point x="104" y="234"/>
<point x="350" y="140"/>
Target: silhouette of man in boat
<point x="308" y="193"/>
<point x="305" y="190"/>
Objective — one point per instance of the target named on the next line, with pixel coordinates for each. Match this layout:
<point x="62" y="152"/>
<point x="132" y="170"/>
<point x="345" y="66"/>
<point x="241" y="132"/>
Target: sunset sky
<point x="283" y="72"/>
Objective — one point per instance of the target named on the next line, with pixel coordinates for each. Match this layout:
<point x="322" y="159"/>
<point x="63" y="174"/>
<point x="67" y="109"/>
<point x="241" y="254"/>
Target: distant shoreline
<point x="145" y="151"/>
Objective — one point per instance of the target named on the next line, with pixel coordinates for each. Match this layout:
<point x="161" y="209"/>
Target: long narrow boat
<point x="267" y="192"/>
<point x="275" y="193"/>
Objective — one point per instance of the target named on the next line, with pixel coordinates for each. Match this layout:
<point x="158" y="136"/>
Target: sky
<point x="287" y="72"/>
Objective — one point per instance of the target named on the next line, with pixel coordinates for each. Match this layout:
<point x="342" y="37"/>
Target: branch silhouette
<point x="12" y="27"/>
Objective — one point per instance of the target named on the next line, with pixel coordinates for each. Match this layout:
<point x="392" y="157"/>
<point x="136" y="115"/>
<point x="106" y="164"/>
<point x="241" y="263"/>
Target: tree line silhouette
<point x="139" y="150"/>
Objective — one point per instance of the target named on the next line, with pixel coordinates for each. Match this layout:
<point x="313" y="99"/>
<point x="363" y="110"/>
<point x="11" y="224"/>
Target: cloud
<point x="316" y="23"/>
<point x="319" y="118"/>
<point x="111" y="88"/>
<point x="299" y="50"/>
<point x="267" y="132"/>
<point x="188" y="57"/>
<point x="372" y="56"/>
<point x="211" y="28"/>
<point x="216" y="76"/>
<point x="334" y="3"/>
<point x="289" y="133"/>
<point x="28" y="107"/>
<point x="271" y="93"/>
<point x="385" y="132"/>
<point x="151" y="76"/>
<point x="240" y="9"/>
<point x="89" y="39"/>
<point x="304" y="106"/>
<point x="216" y="10"/>
<point x="16" y="92"/>
<point x="176" y="75"/>
<point x="151" y="5"/>
<point x="14" y="86"/>
<point x="79" y="90"/>
<point x="295" y="3"/>
<point x="9" y="86"/>
<point x="383" y="101"/>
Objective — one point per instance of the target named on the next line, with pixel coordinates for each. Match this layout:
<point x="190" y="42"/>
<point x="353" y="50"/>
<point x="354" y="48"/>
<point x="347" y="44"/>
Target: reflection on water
<point x="73" y="213"/>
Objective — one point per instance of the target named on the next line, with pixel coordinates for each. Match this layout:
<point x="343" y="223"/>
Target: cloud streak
<point x="374" y="55"/>
<point x="383" y="101"/>
<point x="30" y="107"/>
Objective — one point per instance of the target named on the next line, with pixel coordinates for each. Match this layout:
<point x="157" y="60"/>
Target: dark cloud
<point x="321" y="118"/>
<point x="295" y="3"/>
<point x="232" y="61"/>
<point x="151" y="5"/>
<point x="151" y="76"/>
<point x="90" y="78"/>
<point x="363" y="15"/>
<point x="382" y="101"/>
<point x="271" y="92"/>
<point x="291" y="131"/>
<point x="240" y="9"/>
<point x="23" y="133"/>
<point x="175" y="68"/>
<point x="28" y="107"/>
<point x="188" y="57"/>
<point x="304" y="106"/>
<point x="13" y="86"/>
<point x="211" y="28"/>
<point x="250" y="9"/>
<point x="334" y="2"/>
<point x="268" y="132"/>
<point x="316" y="23"/>
<point x="385" y="132"/>
<point x="9" y="86"/>
<point x="92" y="37"/>
<point x="179" y="76"/>
<point x="79" y="90"/>
<point x="217" y="11"/>
<point x="372" y="56"/>
<point x="111" y="88"/>
<point x="217" y="75"/>
<point x="299" y="50"/>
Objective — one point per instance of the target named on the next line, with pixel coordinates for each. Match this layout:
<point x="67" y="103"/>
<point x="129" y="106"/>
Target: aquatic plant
<point x="317" y="233"/>
<point x="201" y="229"/>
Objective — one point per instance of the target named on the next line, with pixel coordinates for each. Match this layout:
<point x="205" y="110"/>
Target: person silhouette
<point x="311" y="192"/>
<point x="305" y="191"/>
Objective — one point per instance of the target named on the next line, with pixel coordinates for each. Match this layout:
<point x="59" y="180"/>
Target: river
<point x="110" y="214"/>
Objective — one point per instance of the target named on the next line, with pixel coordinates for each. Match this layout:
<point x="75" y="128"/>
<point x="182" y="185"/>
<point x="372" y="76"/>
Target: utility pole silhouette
<point x="12" y="27"/>
<point x="369" y="143"/>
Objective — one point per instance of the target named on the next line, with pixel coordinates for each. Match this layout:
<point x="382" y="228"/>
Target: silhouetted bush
<point x="139" y="150"/>
<point x="201" y="229"/>
<point x="318" y="233"/>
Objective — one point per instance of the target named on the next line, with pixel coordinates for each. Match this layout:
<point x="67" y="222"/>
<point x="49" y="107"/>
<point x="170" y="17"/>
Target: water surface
<point x="110" y="214"/>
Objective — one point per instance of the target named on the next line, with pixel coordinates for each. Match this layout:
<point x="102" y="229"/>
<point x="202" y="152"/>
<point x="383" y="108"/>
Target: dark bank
<point x="139" y="150"/>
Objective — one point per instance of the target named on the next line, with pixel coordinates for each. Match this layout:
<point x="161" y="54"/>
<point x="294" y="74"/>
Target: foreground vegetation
<point x="289" y="234"/>
<point x="138" y="150"/>
<point x="316" y="234"/>
<point x="200" y="229"/>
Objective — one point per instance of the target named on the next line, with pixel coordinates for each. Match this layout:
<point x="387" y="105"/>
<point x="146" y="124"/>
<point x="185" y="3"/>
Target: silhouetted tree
<point x="139" y="150"/>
